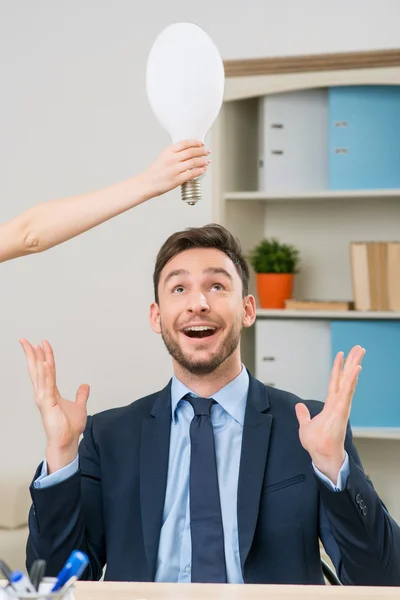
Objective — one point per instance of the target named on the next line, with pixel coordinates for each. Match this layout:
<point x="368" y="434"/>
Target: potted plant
<point x="275" y="265"/>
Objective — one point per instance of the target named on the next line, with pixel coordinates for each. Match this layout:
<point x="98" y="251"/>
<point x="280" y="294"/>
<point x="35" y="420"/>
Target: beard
<point x="202" y="367"/>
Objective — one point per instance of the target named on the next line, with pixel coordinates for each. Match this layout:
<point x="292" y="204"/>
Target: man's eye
<point x="217" y="286"/>
<point x="178" y="289"/>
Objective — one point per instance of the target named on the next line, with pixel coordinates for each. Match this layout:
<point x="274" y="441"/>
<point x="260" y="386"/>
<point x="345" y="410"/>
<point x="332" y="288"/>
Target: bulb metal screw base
<point x="191" y="191"/>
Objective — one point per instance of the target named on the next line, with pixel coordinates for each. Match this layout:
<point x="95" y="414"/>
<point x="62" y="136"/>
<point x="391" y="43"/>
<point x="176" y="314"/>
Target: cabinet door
<point x="294" y="355"/>
<point x="294" y="141"/>
<point x="376" y="402"/>
<point x="364" y="137"/>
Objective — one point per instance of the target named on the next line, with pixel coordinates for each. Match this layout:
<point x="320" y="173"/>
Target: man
<point x="216" y="478"/>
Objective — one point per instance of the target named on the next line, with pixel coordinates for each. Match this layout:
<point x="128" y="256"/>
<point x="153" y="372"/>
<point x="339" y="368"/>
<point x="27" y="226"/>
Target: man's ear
<point x="249" y="308"/>
<point x="155" y="320"/>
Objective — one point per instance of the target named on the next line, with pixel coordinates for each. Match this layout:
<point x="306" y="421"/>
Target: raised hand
<point x="63" y="420"/>
<point x="323" y="436"/>
<point x="176" y="165"/>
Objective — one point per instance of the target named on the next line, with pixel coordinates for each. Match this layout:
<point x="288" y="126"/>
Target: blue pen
<point x="74" y="567"/>
<point x="21" y="583"/>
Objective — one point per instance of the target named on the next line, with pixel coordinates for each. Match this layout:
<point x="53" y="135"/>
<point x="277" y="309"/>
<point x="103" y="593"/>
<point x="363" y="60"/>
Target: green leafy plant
<point x="271" y="256"/>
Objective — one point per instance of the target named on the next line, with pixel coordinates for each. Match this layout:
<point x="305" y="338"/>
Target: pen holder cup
<point x="7" y="593"/>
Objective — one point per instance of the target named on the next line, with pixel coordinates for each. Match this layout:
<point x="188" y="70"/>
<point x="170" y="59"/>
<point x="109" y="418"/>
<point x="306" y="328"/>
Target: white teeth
<point x="200" y="328"/>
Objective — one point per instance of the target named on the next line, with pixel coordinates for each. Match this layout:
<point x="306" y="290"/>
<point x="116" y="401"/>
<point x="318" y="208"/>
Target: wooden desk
<point x="183" y="591"/>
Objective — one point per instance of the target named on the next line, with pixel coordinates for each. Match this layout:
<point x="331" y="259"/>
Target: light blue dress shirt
<point x="227" y="416"/>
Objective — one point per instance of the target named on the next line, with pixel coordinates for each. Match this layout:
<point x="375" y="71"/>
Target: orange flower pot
<point x="274" y="288"/>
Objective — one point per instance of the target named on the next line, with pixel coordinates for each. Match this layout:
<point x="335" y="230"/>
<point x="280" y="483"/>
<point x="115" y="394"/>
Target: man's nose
<point x="198" y="304"/>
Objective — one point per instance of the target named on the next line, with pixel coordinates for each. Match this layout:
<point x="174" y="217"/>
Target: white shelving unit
<point x="321" y="222"/>
<point x="319" y="196"/>
<point x="378" y="433"/>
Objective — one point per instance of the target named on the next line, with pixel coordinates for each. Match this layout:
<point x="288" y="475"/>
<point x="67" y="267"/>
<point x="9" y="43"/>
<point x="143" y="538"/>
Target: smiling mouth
<point x="199" y="332"/>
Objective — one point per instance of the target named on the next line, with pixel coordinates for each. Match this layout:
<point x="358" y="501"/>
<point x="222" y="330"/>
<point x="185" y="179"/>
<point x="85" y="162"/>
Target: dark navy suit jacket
<point x="112" y="507"/>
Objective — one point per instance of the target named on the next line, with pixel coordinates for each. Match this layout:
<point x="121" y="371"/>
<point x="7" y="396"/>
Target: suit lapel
<point x="154" y="454"/>
<point x="256" y="435"/>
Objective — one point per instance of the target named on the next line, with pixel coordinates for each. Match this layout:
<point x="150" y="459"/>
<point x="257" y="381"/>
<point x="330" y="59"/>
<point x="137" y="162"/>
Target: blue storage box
<point x="364" y="137"/>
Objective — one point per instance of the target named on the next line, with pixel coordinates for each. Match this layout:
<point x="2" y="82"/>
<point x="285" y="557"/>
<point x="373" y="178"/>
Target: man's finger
<point x="335" y="375"/>
<point x="49" y="355"/>
<point x="82" y="394"/>
<point x="348" y="363"/>
<point x="354" y="358"/>
<point x="350" y="383"/>
<point x="40" y="379"/>
<point x="31" y="361"/>
<point x="341" y="404"/>
<point x="49" y="398"/>
<point x="302" y="414"/>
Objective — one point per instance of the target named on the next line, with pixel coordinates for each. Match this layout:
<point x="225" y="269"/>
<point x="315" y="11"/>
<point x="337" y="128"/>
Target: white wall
<point x="73" y="117"/>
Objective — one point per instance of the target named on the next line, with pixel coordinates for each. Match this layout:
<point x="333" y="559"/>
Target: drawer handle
<point x="340" y="124"/>
<point x="341" y="150"/>
<point x="277" y="152"/>
<point x="269" y="384"/>
<point x="269" y="358"/>
<point x="277" y="126"/>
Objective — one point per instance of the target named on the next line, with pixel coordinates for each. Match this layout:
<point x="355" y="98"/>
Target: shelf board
<point x="383" y="433"/>
<point x="313" y="195"/>
<point x="266" y="313"/>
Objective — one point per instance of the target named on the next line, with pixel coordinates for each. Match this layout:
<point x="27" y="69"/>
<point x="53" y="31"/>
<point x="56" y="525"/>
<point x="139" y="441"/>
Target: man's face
<point x="201" y="309"/>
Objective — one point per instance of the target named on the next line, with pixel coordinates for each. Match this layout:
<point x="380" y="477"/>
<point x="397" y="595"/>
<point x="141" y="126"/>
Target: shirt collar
<point x="232" y="397"/>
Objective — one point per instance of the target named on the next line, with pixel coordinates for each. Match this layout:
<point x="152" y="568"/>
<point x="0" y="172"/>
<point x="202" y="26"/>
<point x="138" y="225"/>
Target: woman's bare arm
<point x="51" y="223"/>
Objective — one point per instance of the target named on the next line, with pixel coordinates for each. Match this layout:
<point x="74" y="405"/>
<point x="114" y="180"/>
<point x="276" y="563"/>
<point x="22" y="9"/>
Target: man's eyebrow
<point x="185" y="273"/>
<point x="176" y="273"/>
<point x="218" y="271"/>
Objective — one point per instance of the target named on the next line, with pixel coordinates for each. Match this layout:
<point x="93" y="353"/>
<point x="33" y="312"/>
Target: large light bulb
<point x="185" y="86"/>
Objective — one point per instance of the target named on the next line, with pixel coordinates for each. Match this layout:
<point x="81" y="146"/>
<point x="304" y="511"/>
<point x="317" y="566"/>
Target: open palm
<point x="323" y="436"/>
<point x="63" y="420"/>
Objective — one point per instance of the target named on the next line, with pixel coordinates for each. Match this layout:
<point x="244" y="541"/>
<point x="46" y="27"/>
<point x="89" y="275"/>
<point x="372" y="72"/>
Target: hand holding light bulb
<point x="185" y="86"/>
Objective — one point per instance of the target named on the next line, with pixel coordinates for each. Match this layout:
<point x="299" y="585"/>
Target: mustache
<point x="199" y="321"/>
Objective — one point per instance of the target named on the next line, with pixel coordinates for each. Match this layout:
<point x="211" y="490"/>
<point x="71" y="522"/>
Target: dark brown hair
<point x="209" y="236"/>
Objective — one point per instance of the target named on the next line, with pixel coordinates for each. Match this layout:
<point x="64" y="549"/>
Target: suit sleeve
<point x="68" y="515"/>
<point x="358" y="533"/>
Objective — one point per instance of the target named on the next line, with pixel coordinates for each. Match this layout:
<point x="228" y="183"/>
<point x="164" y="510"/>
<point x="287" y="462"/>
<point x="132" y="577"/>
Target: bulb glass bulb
<point x="185" y="85"/>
